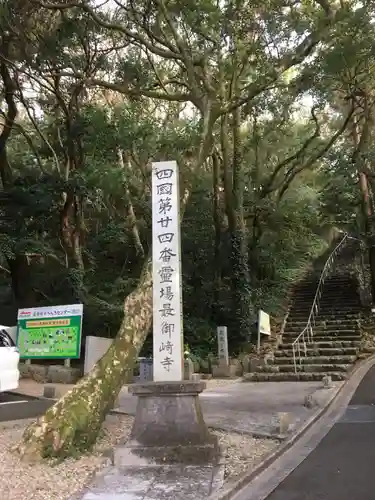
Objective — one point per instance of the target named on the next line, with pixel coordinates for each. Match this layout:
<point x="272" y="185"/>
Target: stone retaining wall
<point x="53" y="374"/>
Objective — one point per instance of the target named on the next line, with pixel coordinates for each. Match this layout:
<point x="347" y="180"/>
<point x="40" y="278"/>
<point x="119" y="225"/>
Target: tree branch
<point x="132" y="35"/>
<point x="5" y="270"/>
<point x="124" y="89"/>
<point x="11" y="114"/>
<point x="297" y="56"/>
<point x="268" y="188"/>
<point x="291" y="174"/>
<point x="29" y="142"/>
<point x="37" y="128"/>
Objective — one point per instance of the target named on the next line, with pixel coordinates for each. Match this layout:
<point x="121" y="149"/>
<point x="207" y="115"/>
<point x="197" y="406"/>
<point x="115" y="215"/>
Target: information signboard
<point x="264" y="323"/>
<point x="50" y="332"/>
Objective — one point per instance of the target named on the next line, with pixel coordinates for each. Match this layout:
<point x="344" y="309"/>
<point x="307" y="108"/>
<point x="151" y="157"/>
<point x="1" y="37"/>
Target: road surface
<point x="342" y="465"/>
<point x="16" y="407"/>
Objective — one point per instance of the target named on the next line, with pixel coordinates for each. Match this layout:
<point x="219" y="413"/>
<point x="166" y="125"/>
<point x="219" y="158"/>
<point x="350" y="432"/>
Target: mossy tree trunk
<point x="234" y="185"/>
<point x="72" y="425"/>
<point x="361" y="161"/>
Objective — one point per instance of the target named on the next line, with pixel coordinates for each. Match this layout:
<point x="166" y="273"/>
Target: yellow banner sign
<point x="48" y="322"/>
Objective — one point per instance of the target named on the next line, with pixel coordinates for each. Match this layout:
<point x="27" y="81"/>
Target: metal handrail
<point x="307" y="332"/>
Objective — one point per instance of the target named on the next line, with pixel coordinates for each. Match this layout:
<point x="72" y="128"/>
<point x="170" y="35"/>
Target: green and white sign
<point x="50" y="332"/>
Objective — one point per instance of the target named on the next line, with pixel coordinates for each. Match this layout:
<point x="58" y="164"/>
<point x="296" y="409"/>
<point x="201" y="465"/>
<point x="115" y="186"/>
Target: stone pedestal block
<point x="188" y="369"/>
<point x="234" y="369"/>
<point x="58" y="374"/>
<point x="49" y="391"/>
<point x="168" y="427"/>
<point x="255" y="364"/>
<point x="223" y="371"/>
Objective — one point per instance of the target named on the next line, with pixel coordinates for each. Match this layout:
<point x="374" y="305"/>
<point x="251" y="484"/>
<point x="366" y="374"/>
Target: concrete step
<point x="308" y="301"/>
<point x="324" y="326"/>
<point x="348" y="291"/>
<point x="328" y="284"/>
<point x="346" y="294"/>
<point x="302" y="307"/>
<point x="300" y="322"/>
<point x="294" y="328"/>
<point x="326" y="340"/>
<point x="324" y="351"/>
<point x="315" y="278"/>
<point x="334" y="338"/>
<point x="317" y="360"/>
<point x="323" y="338"/>
<point x="327" y="301"/>
<point x="331" y="315"/>
<point x="292" y="377"/>
<point x="324" y="331"/>
<point x="337" y="344"/>
<point x="343" y="287"/>
<point x="338" y="317"/>
<point x="345" y="299"/>
<point x="332" y="311"/>
<point x="316" y="368"/>
<point x="351" y="319"/>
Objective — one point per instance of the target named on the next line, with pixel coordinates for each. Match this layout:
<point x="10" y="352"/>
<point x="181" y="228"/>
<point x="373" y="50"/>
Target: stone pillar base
<point x="168" y="427"/>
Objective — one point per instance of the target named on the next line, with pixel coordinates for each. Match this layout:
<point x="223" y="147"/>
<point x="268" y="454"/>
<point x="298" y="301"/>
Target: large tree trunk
<point x="234" y="188"/>
<point x="23" y="292"/>
<point x="239" y="237"/>
<point x="361" y="140"/>
<point x="217" y="220"/>
<point x="132" y="217"/>
<point x="371" y="245"/>
<point x="71" y="229"/>
<point x="74" y="422"/>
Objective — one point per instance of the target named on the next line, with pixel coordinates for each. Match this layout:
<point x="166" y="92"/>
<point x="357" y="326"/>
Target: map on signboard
<point x="50" y="332"/>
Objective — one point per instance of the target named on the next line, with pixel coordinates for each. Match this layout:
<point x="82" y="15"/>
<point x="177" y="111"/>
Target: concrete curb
<point x="348" y="389"/>
<point x="22" y="395"/>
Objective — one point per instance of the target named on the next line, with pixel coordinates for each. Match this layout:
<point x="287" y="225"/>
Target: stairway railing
<point x="307" y="334"/>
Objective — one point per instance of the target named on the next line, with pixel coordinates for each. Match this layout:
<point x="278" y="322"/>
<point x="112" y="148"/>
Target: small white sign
<point x="222" y="340"/>
<point x="166" y="270"/>
<point x="264" y="325"/>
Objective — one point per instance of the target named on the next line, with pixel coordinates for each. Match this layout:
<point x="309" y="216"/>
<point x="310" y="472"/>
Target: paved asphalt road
<point x="16" y="407"/>
<point x="342" y="466"/>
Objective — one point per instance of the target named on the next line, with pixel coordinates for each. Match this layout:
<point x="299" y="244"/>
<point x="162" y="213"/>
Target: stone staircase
<point x="335" y="346"/>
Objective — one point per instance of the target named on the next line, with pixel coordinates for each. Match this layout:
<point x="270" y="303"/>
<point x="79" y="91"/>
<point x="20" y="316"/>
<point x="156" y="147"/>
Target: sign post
<point x="264" y="325"/>
<point x="166" y="270"/>
<point x="50" y="332"/>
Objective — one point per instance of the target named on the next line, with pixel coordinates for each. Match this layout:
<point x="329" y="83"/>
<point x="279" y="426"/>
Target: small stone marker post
<point x="222" y="368"/>
<point x="168" y="425"/>
<point x="222" y="340"/>
<point x="145" y="370"/>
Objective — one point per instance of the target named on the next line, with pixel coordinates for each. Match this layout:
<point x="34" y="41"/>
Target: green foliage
<point x="91" y="140"/>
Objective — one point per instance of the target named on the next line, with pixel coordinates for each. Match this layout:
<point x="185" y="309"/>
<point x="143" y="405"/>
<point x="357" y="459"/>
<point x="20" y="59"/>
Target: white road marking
<point x="14" y="402"/>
